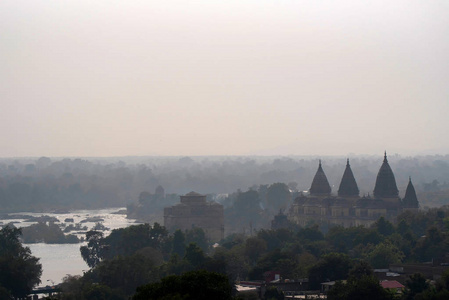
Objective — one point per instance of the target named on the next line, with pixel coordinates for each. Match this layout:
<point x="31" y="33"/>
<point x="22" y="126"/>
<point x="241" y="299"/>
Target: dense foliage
<point x="194" y="285"/>
<point x="123" y="242"/>
<point x="365" y="287"/>
<point x="136" y="255"/>
<point x="19" y="270"/>
<point x="144" y="255"/>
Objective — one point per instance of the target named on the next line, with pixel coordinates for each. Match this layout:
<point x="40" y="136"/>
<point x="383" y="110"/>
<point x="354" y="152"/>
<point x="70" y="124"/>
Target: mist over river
<point x="60" y="260"/>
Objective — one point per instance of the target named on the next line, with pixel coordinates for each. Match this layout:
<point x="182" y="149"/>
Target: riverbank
<point x="60" y="260"/>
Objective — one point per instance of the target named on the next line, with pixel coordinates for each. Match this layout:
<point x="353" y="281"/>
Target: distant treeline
<point x="42" y="184"/>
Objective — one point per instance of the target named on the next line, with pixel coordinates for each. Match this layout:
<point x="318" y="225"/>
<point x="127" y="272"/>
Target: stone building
<point x="348" y="208"/>
<point x="195" y="211"/>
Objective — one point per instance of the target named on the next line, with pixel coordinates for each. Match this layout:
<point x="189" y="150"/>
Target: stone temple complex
<point x="347" y="208"/>
<point x="195" y="211"/>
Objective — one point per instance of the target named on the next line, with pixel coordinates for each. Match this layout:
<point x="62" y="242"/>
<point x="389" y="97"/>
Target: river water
<point x="60" y="260"/>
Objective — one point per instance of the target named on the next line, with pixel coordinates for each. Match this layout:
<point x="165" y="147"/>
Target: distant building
<point x="393" y="286"/>
<point x="195" y="211"/>
<point x="348" y="208"/>
<point x="160" y="192"/>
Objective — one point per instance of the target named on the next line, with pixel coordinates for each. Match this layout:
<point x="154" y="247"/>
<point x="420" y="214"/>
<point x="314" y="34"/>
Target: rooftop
<point x="391" y="284"/>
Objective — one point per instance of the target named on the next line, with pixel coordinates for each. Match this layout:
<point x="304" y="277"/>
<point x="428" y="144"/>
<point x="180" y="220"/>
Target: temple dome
<point x="410" y="200"/>
<point x="348" y="186"/>
<point x="385" y="182"/>
<point x="320" y="186"/>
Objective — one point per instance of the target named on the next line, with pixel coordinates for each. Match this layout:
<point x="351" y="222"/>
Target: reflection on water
<point x="60" y="260"/>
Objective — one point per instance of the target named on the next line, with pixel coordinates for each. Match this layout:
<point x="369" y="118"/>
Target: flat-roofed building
<point x="195" y="211"/>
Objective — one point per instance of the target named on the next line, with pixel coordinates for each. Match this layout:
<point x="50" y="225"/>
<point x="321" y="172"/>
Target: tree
<point x="275" y="238"/>
<point x="247" y="203"/>
<point x="254" y="247"/>
<point x="123" y="241"/>
<point x="194" y="255"/>
<point x="236" y="264"/>
<point x="434" y="245"/>
<point x="126" y="241"/>
<point x="366" y="288"/>
<point x="403" y="228"/>
<point x="384" y="254"/>
<point x="275" y="260"/>
<point x="312" y="233"/>
<point x="246" y="211"/>
<point x="175" y="266"/>
<point x="415" y="284"/>
<point x="438" y="292"/>
<point x="20" y="271"/>
<point x="278" y="196"/>
<point x="72" y="287"/>
<point x="93" y="252"/>
<point x="384" y="227"/>
<point x="198" y="236"/>
<point x="332" y="266"/>
<point x="124" y="274"/>
<point x="362" y="268"/>
<point x="195" y="285"/>
<point x="179" y="243"/>
<point x="344" y="239"/>
<point x="81" y="288"/>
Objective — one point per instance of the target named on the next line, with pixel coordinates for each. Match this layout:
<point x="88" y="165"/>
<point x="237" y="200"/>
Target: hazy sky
<point x="114" y="78"/>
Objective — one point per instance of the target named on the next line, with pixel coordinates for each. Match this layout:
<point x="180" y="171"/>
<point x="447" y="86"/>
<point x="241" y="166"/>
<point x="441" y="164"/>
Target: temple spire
<point x="410" y="199"/>
<point x="320" y="186"/>
<point x="348" y="185"/>
<point x="385" y="182"/>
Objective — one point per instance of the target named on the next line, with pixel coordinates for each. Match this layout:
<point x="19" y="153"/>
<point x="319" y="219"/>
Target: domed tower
<point x="410" y="200"/>
<point x="385" y="182"/>
<point x="320" y="186"/>
<point x="348" y="186"/>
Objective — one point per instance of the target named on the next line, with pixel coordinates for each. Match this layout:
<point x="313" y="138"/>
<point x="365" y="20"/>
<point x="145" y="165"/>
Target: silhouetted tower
<point x="348" y="186"/>
<point x="410" y="200"/>
<point x="385" y="182"/>
<point x="320" y="186"/>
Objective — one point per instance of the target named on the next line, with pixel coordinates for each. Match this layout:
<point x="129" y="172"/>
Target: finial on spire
<point x="347" y="162"/>
<point x="385" y="156"/>
<point x="410" y="178"/>
<point x="320" y="162"/>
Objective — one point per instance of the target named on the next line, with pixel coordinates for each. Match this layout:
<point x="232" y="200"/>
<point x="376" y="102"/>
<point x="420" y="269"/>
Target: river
<point x="60" y="260"/>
